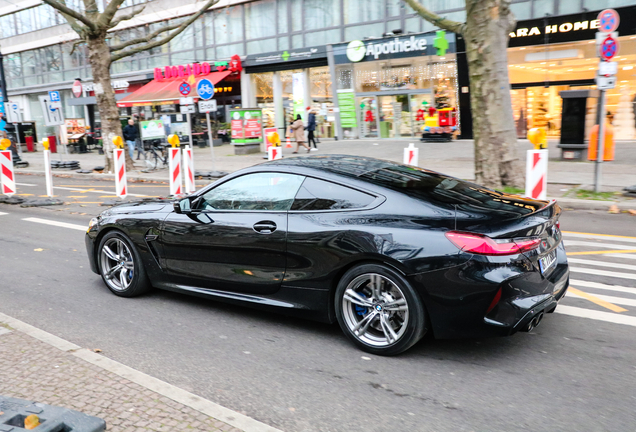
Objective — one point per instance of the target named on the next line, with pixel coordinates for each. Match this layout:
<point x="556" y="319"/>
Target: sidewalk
<point x="455" y="158"/>
<point x="37" y="366"/>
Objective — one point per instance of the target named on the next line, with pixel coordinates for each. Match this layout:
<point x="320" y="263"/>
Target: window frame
<point x="378" y="199"/>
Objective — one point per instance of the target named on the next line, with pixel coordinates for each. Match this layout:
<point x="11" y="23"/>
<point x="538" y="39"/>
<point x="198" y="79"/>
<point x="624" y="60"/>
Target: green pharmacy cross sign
<point x="285" y="56"/>
<point x="440" y="42"/>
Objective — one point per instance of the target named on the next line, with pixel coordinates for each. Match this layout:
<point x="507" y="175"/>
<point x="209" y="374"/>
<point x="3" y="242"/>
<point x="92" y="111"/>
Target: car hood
<point x="140" y="206"/>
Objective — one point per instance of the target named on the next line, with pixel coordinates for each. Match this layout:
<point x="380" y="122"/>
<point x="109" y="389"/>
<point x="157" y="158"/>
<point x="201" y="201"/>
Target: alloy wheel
<point x="375" y="310"/>
<point x="117" y="264"/>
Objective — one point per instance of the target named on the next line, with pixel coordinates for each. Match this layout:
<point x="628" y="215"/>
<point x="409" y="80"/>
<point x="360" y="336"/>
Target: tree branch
<point x="106" y="17"/>
<point x="146" y="39"/>
<point x="150" y="45"/>
<point x="75" y="45"/>
<point x="68" y="12"/>
<point x="443" y="23"/>
<point x="121" y="18"/>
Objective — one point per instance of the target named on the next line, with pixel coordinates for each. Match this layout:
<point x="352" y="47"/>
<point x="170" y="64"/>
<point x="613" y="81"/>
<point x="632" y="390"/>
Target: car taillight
<point x="484" y="245"/>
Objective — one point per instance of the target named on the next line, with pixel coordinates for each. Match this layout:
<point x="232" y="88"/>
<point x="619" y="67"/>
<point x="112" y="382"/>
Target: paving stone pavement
<point x="33" y="370"/>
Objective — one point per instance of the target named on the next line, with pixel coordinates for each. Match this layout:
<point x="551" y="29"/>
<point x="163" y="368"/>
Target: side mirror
<point x="182" y="206"/>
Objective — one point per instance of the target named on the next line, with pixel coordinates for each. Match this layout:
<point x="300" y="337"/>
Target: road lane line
<point x="56" y="223"/>
<point x="602" y="263"/>
<point x="601" y="252"/>
<point x="603" y="273"/>
<point x="595" y="300"/>
<point x="596" y="315"/>
<point x="601" y="286"/>
<point x="610" y="299"/>
<point x="627" y="239"/>
<point x="26" y="184"/>
<point x="3" y="213"/>
<point x="596" y="244"/>
<point x="621" y="255"/>
<point x="94" y="191"/>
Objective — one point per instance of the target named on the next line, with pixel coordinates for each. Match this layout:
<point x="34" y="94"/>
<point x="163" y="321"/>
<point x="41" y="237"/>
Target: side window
<point x="258" y="191"/>
<point x="323" y="195"/>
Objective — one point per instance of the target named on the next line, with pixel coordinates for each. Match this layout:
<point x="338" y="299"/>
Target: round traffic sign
<point x="608" y="20"/>
<point x="77" y="88"/>
<point x="205" y="89"/>
<point x="185" y="88"/>
<point x="609" y="48"/>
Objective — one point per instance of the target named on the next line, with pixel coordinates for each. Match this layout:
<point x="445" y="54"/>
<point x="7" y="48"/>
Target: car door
<point x="234" y="239"/>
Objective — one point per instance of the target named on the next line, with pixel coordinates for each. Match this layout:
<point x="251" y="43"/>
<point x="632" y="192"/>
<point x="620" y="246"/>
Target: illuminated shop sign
<point x="196" y="69"/>
<point x="555" y="28"/>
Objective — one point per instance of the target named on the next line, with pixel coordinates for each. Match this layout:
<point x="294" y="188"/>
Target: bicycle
<point x="155" y="154"/>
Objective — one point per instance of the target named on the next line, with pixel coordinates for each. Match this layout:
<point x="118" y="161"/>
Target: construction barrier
<point x="188" y="169"/>
<point x="7" y="177"/>
<point x="174" y="159"/>
<point x="47" y="168"/>
<point x="537" y="174"/>
<point x="274" y="152"/>
<point x="119" y="160"/>
<point x="411" y="155"/>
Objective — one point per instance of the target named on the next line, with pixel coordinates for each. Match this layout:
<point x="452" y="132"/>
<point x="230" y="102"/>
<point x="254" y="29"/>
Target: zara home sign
<point x="556" y="28"/>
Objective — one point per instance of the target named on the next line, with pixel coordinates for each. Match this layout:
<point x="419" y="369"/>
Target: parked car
<point x="389" y="251"/>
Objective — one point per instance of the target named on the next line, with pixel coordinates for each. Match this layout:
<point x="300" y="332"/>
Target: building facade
<point x="294" y="57"/>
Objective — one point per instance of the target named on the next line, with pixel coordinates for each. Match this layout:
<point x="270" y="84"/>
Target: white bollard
<point x="188" y="169"/>
<point x="121" y="184"/>
<point x="174" y="153"/>
<point x="274" y="152"/>
<point x="7" y="177"/>
<point x="47" y="173"/>
<point x="537" y="174"/>
<point x="411" y="155"/>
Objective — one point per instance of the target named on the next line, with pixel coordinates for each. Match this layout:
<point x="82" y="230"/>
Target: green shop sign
<point x="246" y="125"/>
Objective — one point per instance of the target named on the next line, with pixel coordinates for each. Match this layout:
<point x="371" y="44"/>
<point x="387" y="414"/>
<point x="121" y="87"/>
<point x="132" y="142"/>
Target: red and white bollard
<point x="47" y="168"/>
<point x="121" y="184"/>
<point x="188" y="169"/>
<point x="274" y="152"/>
<point x="7" y="176"/>
<point x="537" y="174"/>
<point x="411" y="155"/>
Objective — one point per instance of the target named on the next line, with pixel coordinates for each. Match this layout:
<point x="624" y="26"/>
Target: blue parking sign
<point x="205" y="89"/>
<point x="54" y="96"/>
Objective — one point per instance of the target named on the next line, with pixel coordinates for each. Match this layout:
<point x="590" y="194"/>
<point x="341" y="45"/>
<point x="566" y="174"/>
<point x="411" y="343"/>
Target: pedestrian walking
<point x="311" y="127"/>
<point x="299" y="133"/>
<point x="130" y="136"/>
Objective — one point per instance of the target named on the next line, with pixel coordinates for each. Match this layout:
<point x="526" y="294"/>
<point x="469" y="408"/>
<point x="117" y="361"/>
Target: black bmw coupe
<point x="389" y="251"/>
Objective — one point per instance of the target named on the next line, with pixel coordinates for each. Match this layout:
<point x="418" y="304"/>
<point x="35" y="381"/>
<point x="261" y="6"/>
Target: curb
<point x="580" y="204"/>
<point x="156" y="385"/>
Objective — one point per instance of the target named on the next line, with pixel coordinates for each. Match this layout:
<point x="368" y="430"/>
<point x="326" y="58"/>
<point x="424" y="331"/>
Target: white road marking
<point x="58" y="224"/>
<point x="599" y="236"/>
<point x="85" y="190"/>
<point x="3" y="213"/>
<point x="586" y="284"/>
<point x="627" y="256"/>
<point x="26" y="184"/>
<point x="596" y="315"/>
<point x="601" y="263"/>
<point x="599" y="245"/>
<point x="603" y="273"/>
<point x="611" y="299"/>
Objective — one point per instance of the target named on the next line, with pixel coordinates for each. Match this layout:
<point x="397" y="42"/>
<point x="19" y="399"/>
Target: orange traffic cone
<point x="288" y="144"/>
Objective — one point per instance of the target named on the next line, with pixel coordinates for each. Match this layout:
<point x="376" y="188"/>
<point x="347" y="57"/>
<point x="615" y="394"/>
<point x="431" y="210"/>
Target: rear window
<point x="317" y="194"/>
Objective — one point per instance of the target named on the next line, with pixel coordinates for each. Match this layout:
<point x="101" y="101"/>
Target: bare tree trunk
<point x="99" y="56"/>
<point x="488" y="23"/>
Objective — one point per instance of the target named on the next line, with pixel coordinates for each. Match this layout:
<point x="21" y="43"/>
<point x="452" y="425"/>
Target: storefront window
<point x="344" y="77"/>
<point x="322" y="101"/>
<point x="228" y="25"/>
<point x="260" y="19"/>
<point x="264" y="86"/>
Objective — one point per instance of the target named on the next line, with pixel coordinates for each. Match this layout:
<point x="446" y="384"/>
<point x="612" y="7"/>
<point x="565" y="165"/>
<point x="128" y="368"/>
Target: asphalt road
<point x="571" y="373"/>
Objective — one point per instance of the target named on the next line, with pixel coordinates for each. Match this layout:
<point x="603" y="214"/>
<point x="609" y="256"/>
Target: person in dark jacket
<point x="130" y="136"/>
<point x="311" y="127"/>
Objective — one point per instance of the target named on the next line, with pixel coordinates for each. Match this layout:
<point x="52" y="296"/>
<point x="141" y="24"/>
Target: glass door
<point x="368" y="111"/>
<point x="420" y="104"/>
<point x="394" y="115"/>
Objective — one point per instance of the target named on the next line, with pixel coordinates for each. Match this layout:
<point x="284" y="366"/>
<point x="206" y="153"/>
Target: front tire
<point x="378" y="310"/>
<point x="120" y="266"/>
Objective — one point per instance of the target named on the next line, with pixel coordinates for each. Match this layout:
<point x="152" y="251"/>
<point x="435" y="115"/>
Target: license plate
<point x="547" y="261"/>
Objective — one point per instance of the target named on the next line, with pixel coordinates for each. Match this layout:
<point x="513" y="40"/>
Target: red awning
<point x="164" y="92"/>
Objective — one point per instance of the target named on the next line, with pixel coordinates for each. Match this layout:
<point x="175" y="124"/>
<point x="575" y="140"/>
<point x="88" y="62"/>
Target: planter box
<point x="242" y="149"/>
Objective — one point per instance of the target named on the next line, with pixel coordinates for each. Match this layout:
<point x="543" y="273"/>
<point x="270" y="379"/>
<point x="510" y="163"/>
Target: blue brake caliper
<point x="361" y="310"/>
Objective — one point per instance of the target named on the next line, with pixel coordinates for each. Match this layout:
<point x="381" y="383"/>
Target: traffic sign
<point x="609" y="48"/>
<point x="186" y="101"/>
<point x="207" y="106"/>
<point x="77" y="88"/>
<point x="608" y="68"/>
<point x="185" y="88"/>
<point x="13" y="112"/>
<point x="608" y="20"/>
<point x="54" y="96"/>
<point x="205" y="89"/>
<point x="185" y="109"/>
<point x="605" y="83"/>
<point x="52" y="116"/>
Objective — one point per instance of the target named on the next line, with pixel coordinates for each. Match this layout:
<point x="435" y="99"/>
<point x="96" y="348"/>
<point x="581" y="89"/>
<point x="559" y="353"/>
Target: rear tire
<point x="378" y="310"/>
<point x="120" y="266"/>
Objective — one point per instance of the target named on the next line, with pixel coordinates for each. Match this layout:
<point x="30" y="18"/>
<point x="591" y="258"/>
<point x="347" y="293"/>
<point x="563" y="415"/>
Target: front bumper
<point x="89" y="240"/>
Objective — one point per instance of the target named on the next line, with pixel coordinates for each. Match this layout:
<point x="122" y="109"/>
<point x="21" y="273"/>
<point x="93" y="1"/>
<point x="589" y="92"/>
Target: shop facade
<point x="553" y="54"/>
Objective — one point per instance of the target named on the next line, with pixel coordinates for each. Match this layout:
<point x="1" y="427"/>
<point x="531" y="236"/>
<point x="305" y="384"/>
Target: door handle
<point x="265" y="227"/>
